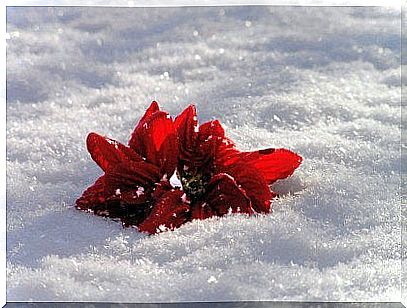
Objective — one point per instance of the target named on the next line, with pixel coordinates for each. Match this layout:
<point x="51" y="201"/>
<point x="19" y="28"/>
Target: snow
<point x="323" y="82"/>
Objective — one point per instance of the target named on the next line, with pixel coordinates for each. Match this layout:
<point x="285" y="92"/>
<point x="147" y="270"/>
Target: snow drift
<point x="323" y="82"/>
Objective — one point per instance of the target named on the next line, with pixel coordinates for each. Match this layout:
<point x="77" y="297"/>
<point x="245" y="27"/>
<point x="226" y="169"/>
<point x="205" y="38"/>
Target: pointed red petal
<point x="274" y="164"/>
<point x="253" y="183"/>
<point x="150" y="111"/>
<point x="156" y="140"/>
<point x="224" y="196"/>
<point x="93" y="196"/>
<point x="135" y="138"/>
<point x="107" y="152"/>
<point x="210" y="137"/>
<point x="186" y="125"/>
<point x="211" y="128"/>
<point x="169" y="212"/>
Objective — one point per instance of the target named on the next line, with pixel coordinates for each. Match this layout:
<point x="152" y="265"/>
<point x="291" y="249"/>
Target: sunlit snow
<point x="323" y="82"/>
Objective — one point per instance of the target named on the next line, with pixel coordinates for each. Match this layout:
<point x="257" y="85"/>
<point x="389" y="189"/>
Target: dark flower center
<point x="193" y="183"/>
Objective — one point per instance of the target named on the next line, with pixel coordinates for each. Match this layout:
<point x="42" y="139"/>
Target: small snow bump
<point x="276" y="117"/>
<point x="140" y="191"/>
<point x="175" y="181"/>
<point x="162" y="228"/>
<point x="212" y="279"/>
<point x="184" y="198"/>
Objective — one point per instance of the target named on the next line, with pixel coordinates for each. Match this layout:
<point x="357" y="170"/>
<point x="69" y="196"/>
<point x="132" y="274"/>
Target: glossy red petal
<point x="186" y="125"/>
<point x="153" y="108"/>
<point x="156" y="140"/>
<point x="274" y="164"/>
<point x="169" y="212"/>
<point x="107" y="152"/>
<point x="253" y="183"/>
<point x="211" y="129"/>
<point x="225" y="196"/>
<point x="136" y="139"/>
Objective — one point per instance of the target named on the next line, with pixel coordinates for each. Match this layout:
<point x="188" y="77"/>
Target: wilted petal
<point x="169" y="212"/>
<point x="107" y="152"/>
<point x="274" y="164"/>
<point x="225" y="196"/>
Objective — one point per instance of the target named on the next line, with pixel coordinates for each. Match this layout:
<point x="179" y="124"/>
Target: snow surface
<point x="324" y="82"/>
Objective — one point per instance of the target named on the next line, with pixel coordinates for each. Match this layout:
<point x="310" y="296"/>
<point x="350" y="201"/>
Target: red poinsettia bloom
<point x="215" y="177"/>
<point x="136" y="184"/>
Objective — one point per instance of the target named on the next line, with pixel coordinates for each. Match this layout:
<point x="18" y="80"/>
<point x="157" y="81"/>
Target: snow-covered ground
<point x="323" y="82"/>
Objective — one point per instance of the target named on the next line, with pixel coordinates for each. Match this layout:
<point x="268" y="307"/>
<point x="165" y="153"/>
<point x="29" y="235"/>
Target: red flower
<point x="216" y="178"/>
<point x="135" y="186"/>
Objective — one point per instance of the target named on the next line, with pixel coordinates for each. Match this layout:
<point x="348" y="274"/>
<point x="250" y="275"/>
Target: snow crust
<point x="323" y="82"/>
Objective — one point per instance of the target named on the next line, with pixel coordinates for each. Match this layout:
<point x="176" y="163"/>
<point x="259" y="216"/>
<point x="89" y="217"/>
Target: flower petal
<point x="96" y="200"/>
<point x="211" y="129"/>
<point x="274" y="164"/>
<point x="130" y="176"/>
<point x="186" y="125"/>
<point x="92" y="196"/>
<point x="253" y="183"/>
<point x="169" y="212"/>
<point x="214" y="143"/>
<point x="155" y="139"/>
<point x="202" y="210"/>
<point x="224" y="196"/>
<point x="107" y="152"/>
<point x="136" y="136"/>
<point x="150" y="111"/>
